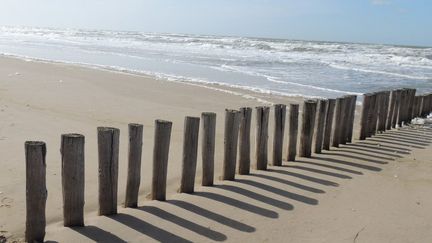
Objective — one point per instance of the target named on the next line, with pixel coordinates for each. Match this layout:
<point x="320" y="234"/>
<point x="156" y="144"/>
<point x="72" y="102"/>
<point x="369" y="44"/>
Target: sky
<point x="404" y="22"/>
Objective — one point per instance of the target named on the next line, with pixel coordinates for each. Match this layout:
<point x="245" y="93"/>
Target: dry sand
<point x="373" y="191"/>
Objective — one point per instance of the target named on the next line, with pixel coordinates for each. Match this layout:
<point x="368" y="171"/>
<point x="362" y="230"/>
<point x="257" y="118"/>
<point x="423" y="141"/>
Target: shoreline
<point x="234" y="89"/>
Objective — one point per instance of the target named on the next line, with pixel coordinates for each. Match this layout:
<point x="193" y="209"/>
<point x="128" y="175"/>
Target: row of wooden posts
<point x="325" y="123"/>
<point x="385" y="110"/>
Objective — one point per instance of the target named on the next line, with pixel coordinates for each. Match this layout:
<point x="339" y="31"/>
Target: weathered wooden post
<point x="403" y="107"/>
<point x="134" y="165"/>
<point x="308" y="125"/>
<point x="261" y="144"/>
<point x="329" y="123"/>
<point x="383" y="112"/>
<point x="232" y="124"/>
<point x="208" y="147"/>
<point x="244" y="136"/>
<point x="278" y="135"/>
<point x="343" y="133"/>
<point x="375" y="114"/>
<point x="36" y="192"/>
<point x="320" y="127"/>
<point x="412" y="104"/>
<point x="372" y="117"/>
<point x="415" y="107"/>
<point x="366" y="107"/>
<point x="421" y="100"/>
<point x="72" y="153"/>
<point x="338" y="122"/>
<point x="190" y="150"/>
<point x="353" y="105"/>
<point x="108" y="148"/>
<point x="391" y="109"/>
<point x="162" y="137"/>
<point x="293" y="132"/>
<point x="396" y="112"/>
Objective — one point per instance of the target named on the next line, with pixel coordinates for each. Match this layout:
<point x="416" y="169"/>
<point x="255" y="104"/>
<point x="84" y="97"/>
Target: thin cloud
<point x="380" y="2"/>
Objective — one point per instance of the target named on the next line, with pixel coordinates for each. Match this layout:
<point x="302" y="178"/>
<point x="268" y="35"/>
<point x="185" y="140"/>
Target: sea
<point x="264" y="65"/>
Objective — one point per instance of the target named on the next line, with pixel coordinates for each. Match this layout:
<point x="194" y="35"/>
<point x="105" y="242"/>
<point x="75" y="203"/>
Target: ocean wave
<point x="380" y="72"/>
<point x="278" y="63"/>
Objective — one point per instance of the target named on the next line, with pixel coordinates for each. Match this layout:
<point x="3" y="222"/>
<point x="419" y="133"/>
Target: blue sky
<point x="406" y="22"/>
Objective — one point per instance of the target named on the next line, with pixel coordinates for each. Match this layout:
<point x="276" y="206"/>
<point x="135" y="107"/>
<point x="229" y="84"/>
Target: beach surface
<point x="378" y="190"/>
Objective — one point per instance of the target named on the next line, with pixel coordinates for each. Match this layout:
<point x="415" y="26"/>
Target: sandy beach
<point x="376" y="190"/>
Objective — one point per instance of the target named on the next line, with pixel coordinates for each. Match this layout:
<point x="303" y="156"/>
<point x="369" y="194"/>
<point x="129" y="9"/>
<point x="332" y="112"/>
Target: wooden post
<point x="415" y="107"/>
<point x="134" y="165"/>
<point x="232" y="124"/>
<point x="329" y="123"/>
<point x="375" y="114"/>
<point x="208" y="147"/>
<point x="36" y="192"/>
<point x="412" y="104"/>
<point x="162" y="137"/>
<point x="108" y="148"/>
<point x="72" y="153"/>
<point x="320" y="127"/>
<point x="278" y="136"/>
<point x="366" y="107"/>
<point x="343" y="133"/>
<point x="308" y="125"/>
<point x="396" y="111"/>
<point x="423" y="105"/>
<point x="372" y="117"/>
<point x="190" y="149"/>
<point x="262" y="118"/>
<point x="338" y="122"/>
<point x="392" y="105"/>
<point x="383" y="112"/>
<point x="244" y="136"/>
<point x="293" y="132"/>
<point x="353" y="105"/>
<point x="430" y="104"/>
<point x="402" y="107"/>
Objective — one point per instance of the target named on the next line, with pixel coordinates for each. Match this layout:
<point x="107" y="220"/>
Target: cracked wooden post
<point x="396" y="110"/>
<point x="329" y="123"/>
<point x="293" y="132"/>
<point x="244" y="136"/>
<point x="134" y="165"/>
<point x="338" y="122"/>
<point x="391" y="109"/>
<point x="278" y="135"/>
<point x="108" y="148"/>
<point x="72" y="171"/>
<point x="208" y="147"/>
<point x="320" y="127"/>
<point x="162" y="138"/>
<point x="190" y="150"/>
<point x="232" y="124"/>
<point x="307" y="129"/>
<point x="366" y="107"/>
<point x="36" y="192"/>
<point x="261" y="148"/>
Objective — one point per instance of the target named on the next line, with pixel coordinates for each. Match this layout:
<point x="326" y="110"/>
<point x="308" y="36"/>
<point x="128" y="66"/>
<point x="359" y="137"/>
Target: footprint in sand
<point x="6" y="202"/>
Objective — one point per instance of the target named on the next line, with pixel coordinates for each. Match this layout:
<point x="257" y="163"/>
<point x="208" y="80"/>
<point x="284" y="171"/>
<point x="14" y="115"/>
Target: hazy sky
<point x="378" y="21"/>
